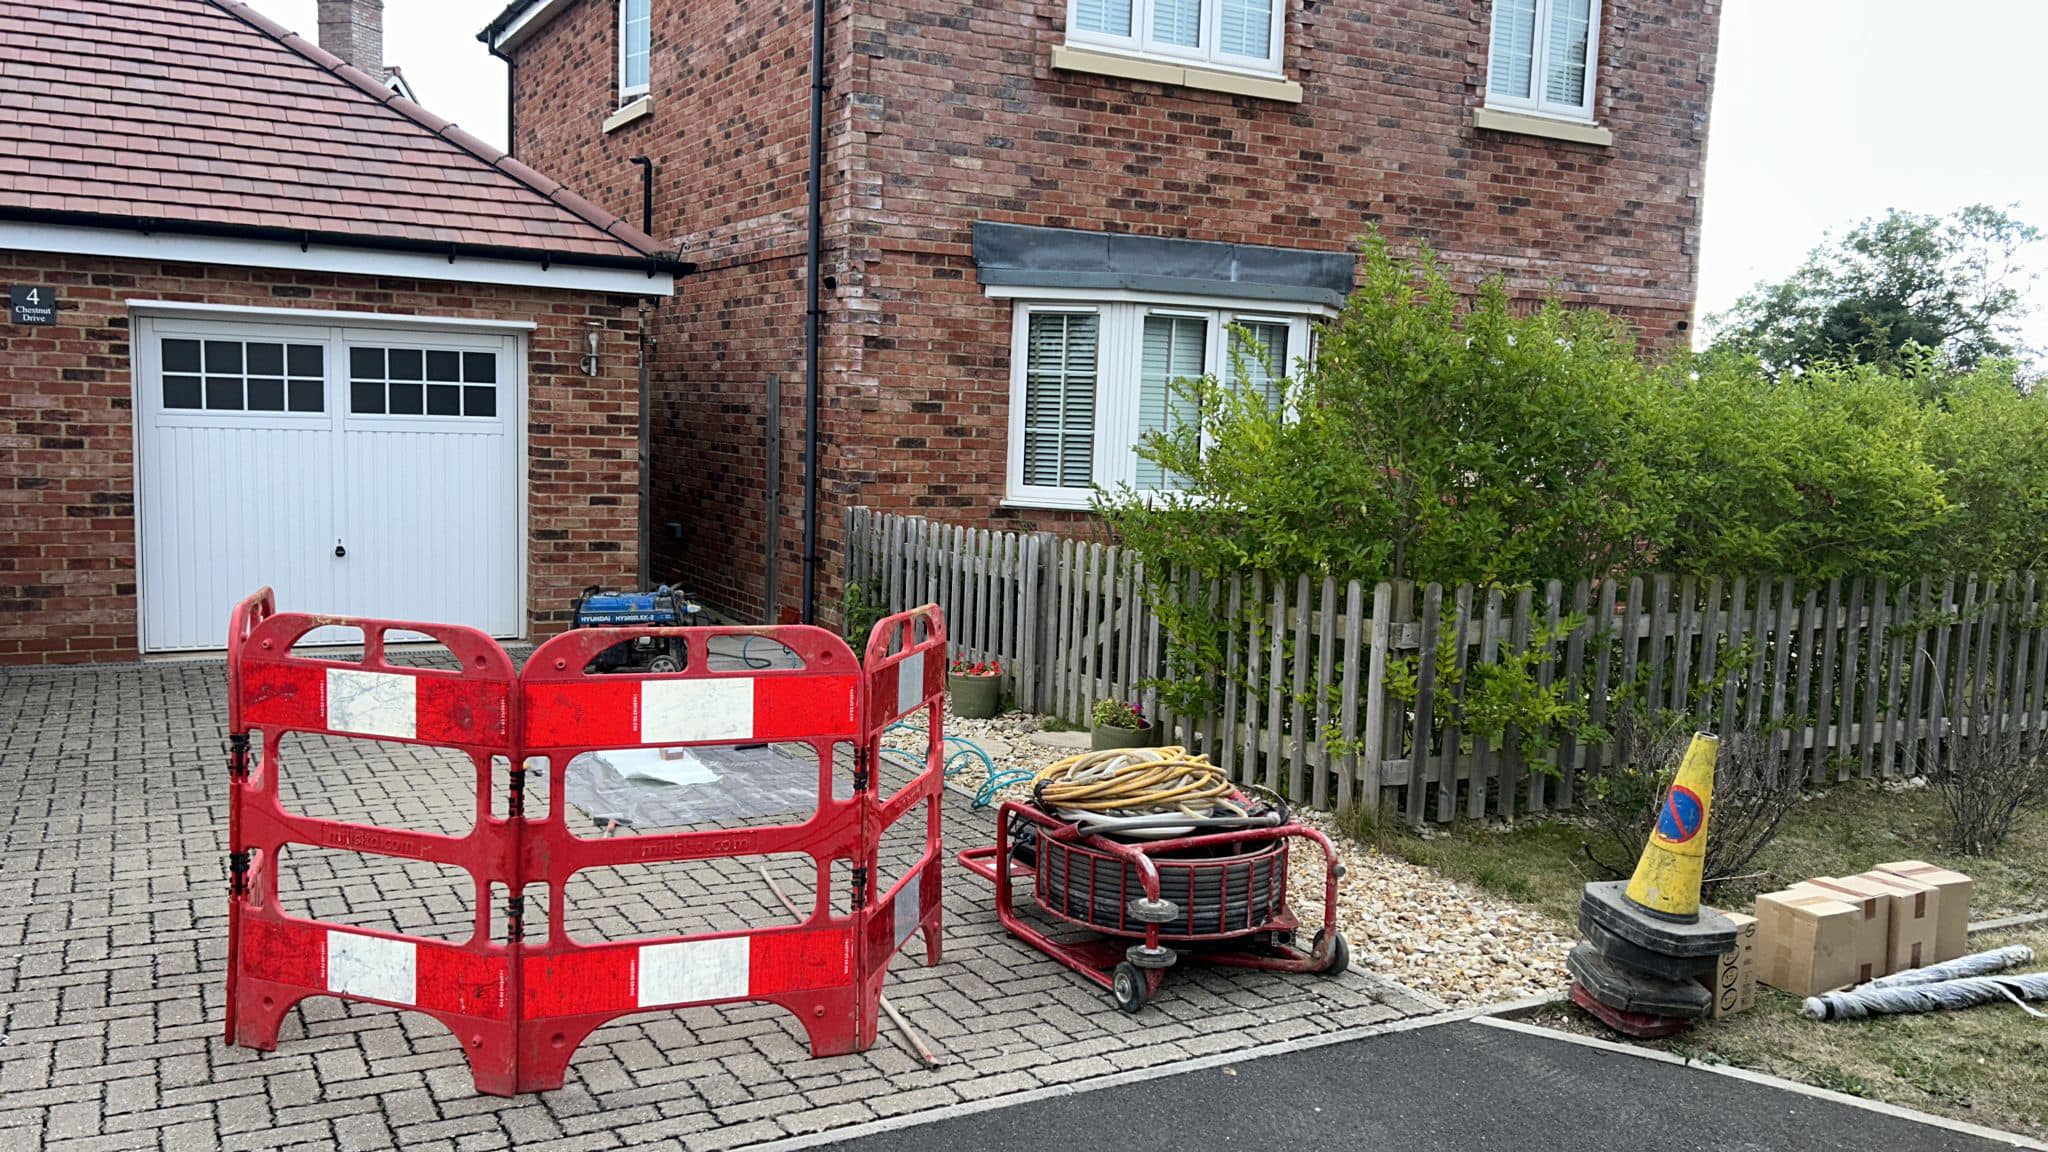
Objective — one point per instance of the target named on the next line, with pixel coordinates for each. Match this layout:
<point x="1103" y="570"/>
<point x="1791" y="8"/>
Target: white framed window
<point x="635" y="47"/>
<point x="1544" y="54"/>
<point x="1240" y="35"/>
<point x="1089" y="378"/>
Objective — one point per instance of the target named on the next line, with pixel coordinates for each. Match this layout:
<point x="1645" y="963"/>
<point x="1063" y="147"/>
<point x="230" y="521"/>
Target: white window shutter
<point x="1173" y="348"/>
<point x="1247" y="29"/>
<point x="1105" y="17"/>
<point x="1177" y="22"/>
<point x="1259" y="356"/>
<point x="1513" y="60"/>
<point x="1564" y="72"/>
<point x="1059" y="399"/>
<point x="634" y="47"/>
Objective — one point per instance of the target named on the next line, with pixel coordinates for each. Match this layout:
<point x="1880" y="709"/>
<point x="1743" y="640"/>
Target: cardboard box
<point x="1952" y="926"/>
<point x="1733" y="980"/>
<point x="1806" y="941"/>
<point x="1916" y="910"/>
<point x="1873" y="922"/>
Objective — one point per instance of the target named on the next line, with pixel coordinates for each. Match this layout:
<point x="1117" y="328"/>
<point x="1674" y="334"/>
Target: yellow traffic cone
<point x="1667" y="879"/>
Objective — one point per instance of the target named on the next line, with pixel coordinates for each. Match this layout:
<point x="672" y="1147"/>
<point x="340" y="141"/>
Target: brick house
<point x="275" y="324"/>
<point x="1036" y="214"/>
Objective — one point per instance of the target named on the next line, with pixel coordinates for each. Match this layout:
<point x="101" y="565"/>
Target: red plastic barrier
<point x="520" y="1008"/>
<point x="906" y="678"/>
<point x="276" y="959"/>
<point x="808" y="968"/>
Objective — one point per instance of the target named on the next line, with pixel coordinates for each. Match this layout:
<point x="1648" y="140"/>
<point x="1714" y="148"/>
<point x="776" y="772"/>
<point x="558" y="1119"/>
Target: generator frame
<point x="1131" y="959"/>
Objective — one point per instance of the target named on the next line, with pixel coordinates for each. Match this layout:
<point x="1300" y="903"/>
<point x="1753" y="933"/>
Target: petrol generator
<point x="664" y="607"/>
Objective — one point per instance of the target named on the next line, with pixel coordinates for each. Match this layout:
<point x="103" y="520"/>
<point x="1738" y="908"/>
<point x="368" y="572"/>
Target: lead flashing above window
<point x="1025" y="256"/>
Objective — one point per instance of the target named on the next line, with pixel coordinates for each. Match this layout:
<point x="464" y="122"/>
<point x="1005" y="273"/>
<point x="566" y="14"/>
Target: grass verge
<point x="1982" y="1065"/>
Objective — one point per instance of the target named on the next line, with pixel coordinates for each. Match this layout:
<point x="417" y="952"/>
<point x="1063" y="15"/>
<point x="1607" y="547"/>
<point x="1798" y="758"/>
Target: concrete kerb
<point x="1493" y="1020"/>
<point x="1136" y="1076"/>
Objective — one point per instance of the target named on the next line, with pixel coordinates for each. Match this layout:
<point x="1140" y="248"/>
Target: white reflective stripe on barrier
<point x="681" y="711"/>
<point x="908" y="903"/>
<point x="372" y="966"/>
<point x="692" y="970"/>
<point x="372" y="703"/>
<point x="910" y="683"/>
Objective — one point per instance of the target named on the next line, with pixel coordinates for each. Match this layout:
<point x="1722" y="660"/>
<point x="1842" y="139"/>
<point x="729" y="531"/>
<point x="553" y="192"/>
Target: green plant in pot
<point x="975" y="687"/>
<point x="1119" y="724"/>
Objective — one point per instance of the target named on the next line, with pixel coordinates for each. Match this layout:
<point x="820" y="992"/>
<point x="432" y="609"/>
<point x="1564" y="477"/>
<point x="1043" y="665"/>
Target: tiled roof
<point x="207" y="112"/>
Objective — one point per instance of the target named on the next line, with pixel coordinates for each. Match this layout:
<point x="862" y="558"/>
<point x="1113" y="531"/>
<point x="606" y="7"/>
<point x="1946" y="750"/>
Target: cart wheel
<point x="1340" y="953"/>
<point x="1127" y="985"/>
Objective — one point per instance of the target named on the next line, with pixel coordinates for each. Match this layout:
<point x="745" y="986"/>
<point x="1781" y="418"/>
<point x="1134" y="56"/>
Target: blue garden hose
<point x="960" y="757"/>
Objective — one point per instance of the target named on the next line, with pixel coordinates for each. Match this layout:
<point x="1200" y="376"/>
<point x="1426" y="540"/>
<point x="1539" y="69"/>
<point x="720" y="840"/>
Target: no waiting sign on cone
<point x="1667" y="879"/>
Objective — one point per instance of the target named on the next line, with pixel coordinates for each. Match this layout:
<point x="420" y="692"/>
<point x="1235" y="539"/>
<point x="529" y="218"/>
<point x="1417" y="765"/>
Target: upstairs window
<point x="1543" y="57"/>
<point x="634" y="48"/>
<point x="1242" y="35"/>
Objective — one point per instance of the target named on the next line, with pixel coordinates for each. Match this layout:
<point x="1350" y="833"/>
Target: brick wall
<point x="729" y="135"/>
<point x="948" y="111"/>
<point x="67" y="447"/>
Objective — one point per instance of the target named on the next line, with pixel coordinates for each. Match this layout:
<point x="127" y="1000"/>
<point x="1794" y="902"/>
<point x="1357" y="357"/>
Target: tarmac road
<point x="1453" y="1087"/>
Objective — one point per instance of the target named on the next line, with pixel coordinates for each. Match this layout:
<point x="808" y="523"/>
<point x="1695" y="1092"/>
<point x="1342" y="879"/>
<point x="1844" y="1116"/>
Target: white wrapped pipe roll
<point x="1975" y="964"/>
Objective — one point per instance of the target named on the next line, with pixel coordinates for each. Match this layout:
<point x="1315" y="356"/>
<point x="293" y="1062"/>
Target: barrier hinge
<point x="515" y="918"/>
<point x="860" y="888"/>
<point x="238" y="872"/>
<point x="860" y="772"/>
<point x="238" y="755"/>
<point x="515" y="801"/>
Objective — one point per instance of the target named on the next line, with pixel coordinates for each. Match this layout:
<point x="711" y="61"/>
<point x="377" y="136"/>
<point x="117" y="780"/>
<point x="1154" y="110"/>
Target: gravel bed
<point x="1403" y="921"/>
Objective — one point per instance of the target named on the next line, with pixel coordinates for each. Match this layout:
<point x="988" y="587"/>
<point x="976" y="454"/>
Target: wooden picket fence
<point x="1849" y="677"/>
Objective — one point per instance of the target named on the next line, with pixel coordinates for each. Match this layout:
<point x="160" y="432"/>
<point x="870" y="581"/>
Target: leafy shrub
<point x="1820" y="475"/>
<point x="858" y="614"/>
<point x="1482" y="446"/>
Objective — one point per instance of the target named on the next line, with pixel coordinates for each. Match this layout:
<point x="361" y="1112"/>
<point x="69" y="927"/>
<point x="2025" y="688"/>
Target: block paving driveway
<point x="113" y="920"/>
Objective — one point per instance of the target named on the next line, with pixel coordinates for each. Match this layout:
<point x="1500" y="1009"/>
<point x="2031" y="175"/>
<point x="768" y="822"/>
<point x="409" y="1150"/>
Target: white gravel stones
<point x="1404" y="922"/>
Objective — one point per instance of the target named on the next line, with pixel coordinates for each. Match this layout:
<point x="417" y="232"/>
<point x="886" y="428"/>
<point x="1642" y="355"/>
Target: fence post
<point x="1376" y="692"/>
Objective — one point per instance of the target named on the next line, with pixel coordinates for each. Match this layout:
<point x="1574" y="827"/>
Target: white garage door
<point x="359" y="471"/>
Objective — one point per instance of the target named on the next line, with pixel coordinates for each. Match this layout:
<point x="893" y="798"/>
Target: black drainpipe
<point x="511" y="94"/>
<point x="815" y="222"/>
<point x="646" y="193"/>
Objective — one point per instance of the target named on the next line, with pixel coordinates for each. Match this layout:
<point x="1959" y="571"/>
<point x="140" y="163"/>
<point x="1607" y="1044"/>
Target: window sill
<point x="1526" y="124"/>
<point x="1067" y="58"/>
<point x="1047" y="504"/>
<point x="636" y="108"/>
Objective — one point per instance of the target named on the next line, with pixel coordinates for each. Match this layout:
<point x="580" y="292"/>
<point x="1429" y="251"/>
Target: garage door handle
<point x="339" y="550"/>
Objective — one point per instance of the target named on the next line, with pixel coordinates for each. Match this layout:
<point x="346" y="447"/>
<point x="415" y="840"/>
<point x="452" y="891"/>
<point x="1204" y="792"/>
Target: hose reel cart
<point x="1160" y="858"/>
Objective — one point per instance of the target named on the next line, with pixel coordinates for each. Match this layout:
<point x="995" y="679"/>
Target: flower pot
<point x="1102" y="736"/>
<point x="975" y="697"/>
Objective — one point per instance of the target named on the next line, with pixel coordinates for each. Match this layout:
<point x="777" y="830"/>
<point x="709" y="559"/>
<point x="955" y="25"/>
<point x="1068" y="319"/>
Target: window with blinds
<point x="1236" y="34"/>
<point x="1258" y="358"/>
<point x="1543" y="55"/>
<point x="1090" y="381"/>
<point x="635" y="28"/>
<point x="1059" y="399"/>
<point x="1174" y="348"/>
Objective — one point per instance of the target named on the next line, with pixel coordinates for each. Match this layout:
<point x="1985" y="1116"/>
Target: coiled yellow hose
<point x="1136" y="781"/>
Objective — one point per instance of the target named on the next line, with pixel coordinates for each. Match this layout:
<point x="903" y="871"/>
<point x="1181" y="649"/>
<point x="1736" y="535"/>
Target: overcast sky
<point x="1825" y="112"/>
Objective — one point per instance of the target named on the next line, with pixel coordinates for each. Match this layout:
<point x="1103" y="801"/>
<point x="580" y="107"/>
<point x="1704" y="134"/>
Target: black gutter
<point x="306" y="238"/>
<point x="815" y="224"/>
